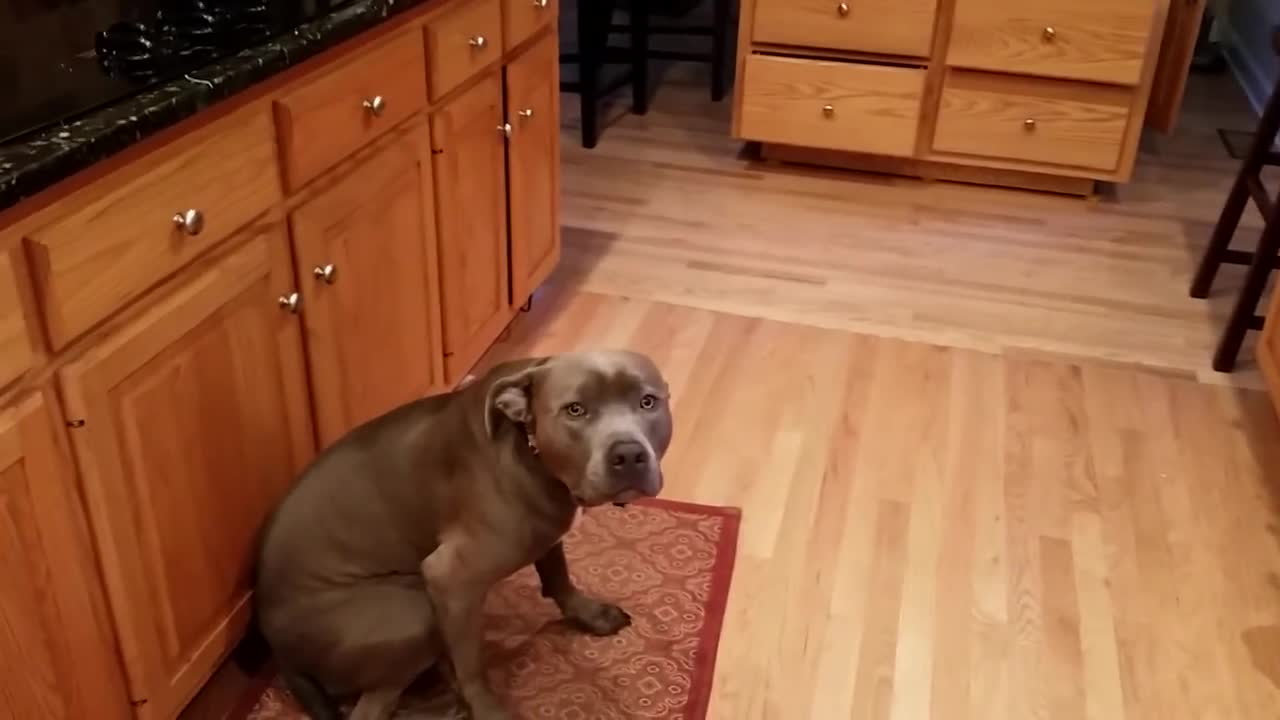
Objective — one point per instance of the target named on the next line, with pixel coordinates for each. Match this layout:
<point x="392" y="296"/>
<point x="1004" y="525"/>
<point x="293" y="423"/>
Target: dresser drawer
<point x="16" y="352"/>
<point x="1044" y="121"/>
<point x="330" y="117"/>
<point x="127" y="232"/>
<point x="522" y="18"/>
<point x="833" y="105"/>
<point x="1098" y="40"/>
<point x="461" y="42"/>
<point x="890" y="27"/>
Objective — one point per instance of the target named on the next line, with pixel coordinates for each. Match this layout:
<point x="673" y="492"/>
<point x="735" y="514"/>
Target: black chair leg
<point x="639" y="22"/>
<point x="1234" y="206"/>
<point x="719" y="49"/>
<point x="593" y="27"/>
<point x="1246" y="307"/>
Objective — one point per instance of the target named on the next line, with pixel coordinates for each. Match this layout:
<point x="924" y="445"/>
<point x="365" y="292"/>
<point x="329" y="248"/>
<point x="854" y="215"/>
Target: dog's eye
<point x="575" y="409"/>
<point x="648" y="402"/>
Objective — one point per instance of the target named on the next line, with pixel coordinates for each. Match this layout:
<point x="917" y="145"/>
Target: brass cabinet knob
<point x="290" y="302"/>
<point x="843" y="9"/>
<point x="478" y="42"/>
<point x="505" y="129"/>
<point x="829" y="110"/>
<point x="376" y="105"/>
<point x="190" y="221"/>
<point x="328" y="273"/>
<point x="1029" y="124"/>
<point x="1050" y="34"/>
<point x="526" y="113"/>
<point x="540" y="4"/>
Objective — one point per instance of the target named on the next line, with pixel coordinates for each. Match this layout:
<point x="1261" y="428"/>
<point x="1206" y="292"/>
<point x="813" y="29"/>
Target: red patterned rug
<point x="668" y="564"/>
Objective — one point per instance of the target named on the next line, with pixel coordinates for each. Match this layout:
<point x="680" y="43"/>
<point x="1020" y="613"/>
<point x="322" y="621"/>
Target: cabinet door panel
<point x="365" y="251"/>
<point x="468" y="153"/>
<point x="533" y="158"/>
<point x="57" y="654"/>
<point x="194" y="425"/>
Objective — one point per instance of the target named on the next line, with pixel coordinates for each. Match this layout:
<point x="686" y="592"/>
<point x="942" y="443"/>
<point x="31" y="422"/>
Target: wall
<point x="1248" y="28"/>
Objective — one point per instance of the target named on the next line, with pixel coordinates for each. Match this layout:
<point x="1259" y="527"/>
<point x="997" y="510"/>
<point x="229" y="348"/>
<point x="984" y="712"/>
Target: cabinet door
<point x="533" y="162"/>
<point x="56" y="649"/>
<point x="190" y="423"/>
<point x="468" y="149"/>
<point x="366" y="254"/>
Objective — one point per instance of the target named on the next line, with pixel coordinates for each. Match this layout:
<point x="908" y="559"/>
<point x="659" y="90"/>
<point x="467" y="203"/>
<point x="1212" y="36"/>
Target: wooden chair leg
<point x="1233" y="208"/>
<point x="639" y="23"/>
<point x="593" y="20"/>
<point x="1246" y="307"/>
<point x="719" y="49"/>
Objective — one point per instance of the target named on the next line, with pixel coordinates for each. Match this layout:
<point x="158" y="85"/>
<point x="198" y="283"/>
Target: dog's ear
<point x="511" y="396"/>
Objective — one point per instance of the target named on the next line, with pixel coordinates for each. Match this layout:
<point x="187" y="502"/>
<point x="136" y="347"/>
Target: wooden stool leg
<point x="1234" y="206"/>
<point x="1255" y="282"/>
<point x="639" y="56"/>
<point x="719" y="49"/>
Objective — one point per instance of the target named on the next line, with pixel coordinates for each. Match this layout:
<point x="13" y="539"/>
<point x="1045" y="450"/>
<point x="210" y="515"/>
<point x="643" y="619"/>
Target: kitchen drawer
<point x="891" y="27"/>
<point x="522" y="18"/>
<point x="1097" y="40"/>
<point x="834" y="105"/>
<point x="126" y="232"/>
<point x="1044" y="121"/>
<point x="17" y="354"/>
<point x="461" y="42"/>
<point x="345" y="107"/>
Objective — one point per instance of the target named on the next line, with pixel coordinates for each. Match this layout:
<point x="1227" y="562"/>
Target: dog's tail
<point x="315" y="702"/>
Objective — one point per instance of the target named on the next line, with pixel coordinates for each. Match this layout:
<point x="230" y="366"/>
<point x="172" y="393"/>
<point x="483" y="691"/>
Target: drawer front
<point x="833" y="105"/>
<point x="330" y="117"/>
<point x="1097" y="40"/>
<point x="1043" y="121"/>
<point x="126" y="234"/>
<point x="891" y="27"/>
<point x="17" y="354"/>
<point x="522" y="18"/>
<point x="462" y="42"/>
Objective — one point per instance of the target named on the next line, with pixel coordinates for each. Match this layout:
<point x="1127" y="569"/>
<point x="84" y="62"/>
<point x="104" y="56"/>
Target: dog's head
<point x="601" y="421"/>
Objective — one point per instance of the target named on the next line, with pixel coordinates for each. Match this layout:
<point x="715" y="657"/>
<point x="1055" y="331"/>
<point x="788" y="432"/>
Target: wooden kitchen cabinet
<point x="365" y="249"/>
<point x="192" y="423"/>
<point x="533" y="166"/>
<point x="57" y="656"/>
<point x="468" y="153"/>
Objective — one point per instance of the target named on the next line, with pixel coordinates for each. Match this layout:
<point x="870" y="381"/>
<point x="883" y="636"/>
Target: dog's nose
<point x="628" y="461"/>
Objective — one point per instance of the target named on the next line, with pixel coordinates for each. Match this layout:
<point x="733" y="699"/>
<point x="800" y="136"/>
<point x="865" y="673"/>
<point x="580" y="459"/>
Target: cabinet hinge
<point x="434" y="151"/>
<point x="75" y="423"/>
<point x="138" y="703"/>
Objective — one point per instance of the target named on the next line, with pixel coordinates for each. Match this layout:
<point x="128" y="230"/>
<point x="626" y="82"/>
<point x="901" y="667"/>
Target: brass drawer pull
<point x="190" y="222"/>
<point x="1049" y="34"/>
<point x="1029" y="124"/>
<point x="376" y="105"/>
<point x="478" y="42"/>
<point x="843" y="9"/>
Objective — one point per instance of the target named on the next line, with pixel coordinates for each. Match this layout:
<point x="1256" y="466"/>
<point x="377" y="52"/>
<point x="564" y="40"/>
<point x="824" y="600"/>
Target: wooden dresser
<point x="183" y="327"/>
<point x="1047" y="94"/>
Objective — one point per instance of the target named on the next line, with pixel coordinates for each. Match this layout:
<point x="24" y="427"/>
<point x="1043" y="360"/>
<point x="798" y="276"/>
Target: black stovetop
<point x="62" y="58"/>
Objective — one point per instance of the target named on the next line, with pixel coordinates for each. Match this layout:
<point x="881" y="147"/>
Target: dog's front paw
<point x="596" y="617"/>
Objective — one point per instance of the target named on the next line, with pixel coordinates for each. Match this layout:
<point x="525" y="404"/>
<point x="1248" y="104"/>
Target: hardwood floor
<point x="938" y="532"/>
<point x="668" y="208"/>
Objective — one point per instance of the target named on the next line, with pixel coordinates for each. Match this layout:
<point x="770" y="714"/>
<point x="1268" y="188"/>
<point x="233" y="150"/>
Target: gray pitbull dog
<point x="377" y="562"/>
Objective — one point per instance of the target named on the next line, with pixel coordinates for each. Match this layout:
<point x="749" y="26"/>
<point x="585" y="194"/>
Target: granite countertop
<point x="35" y="162"/>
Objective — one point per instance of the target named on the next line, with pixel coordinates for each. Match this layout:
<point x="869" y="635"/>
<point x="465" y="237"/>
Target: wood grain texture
<point x="469" y="164"/>
<point x="522" y="19"/>
<point x="888" y="27"/>
<point x="325" y="120"/>
<point x="17" y="351"/>
<point x="119" y="239"/>
<point x="1181" y="32"/>
<point x="455" y="51"/>
<point x="1095" y="40"/>
<point x="372" y="333"/>
<point x="533" y="166"/>
<point x="57" y="648"/>
<point x="193" y="429"/>
<point x="934" y="532"/>
<point x="873" y="108"/>
<point x="1041" y="121"/>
